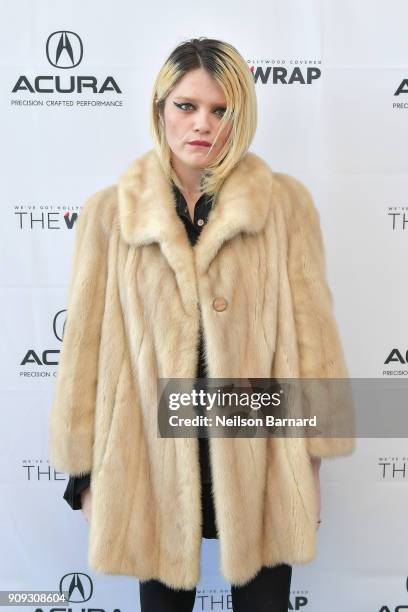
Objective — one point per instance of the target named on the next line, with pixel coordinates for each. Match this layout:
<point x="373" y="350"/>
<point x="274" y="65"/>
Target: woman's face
<point x="192" y="112"/>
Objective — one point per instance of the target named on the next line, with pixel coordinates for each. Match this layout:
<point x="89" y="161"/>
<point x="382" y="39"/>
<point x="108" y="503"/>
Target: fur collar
<point x="147" y="210"/>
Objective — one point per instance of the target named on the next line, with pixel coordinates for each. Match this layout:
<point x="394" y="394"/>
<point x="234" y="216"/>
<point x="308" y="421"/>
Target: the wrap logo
<point x="281" y="75"/>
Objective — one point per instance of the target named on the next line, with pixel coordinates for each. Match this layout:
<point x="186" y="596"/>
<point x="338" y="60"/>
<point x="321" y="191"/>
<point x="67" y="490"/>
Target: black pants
<point x="268" y="591"/>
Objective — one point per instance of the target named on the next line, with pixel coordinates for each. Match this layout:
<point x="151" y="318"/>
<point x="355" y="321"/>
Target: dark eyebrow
<point x="195" y="100"/>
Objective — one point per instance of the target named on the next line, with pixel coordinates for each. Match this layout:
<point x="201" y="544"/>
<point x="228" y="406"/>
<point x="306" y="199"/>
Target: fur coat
<point x="137" y="292"/>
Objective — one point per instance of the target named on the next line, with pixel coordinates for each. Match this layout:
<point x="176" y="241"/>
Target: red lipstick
<point x="201" y="143"/>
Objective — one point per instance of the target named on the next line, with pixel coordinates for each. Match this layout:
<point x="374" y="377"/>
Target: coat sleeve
<point x="321" y="356"/>
<point x="75" y="486"/>
<point x="72" y="415"/>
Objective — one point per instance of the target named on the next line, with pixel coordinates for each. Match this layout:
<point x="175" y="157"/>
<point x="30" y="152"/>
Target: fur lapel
<point x="147" y="211"/>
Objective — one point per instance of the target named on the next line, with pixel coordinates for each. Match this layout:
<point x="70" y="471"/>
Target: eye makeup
<point x="181" y="104"/>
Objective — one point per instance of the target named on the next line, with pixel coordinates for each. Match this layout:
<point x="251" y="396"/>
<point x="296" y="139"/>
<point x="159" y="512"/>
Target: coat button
<point x="220" y="304"/>
<point x="200" y="222"/>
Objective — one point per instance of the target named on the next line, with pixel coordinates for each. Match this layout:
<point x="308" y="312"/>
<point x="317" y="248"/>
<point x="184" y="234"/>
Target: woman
<point x="201" y="261"/>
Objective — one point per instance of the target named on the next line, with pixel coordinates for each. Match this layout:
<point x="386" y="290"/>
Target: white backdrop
<point x="334" y="122"/>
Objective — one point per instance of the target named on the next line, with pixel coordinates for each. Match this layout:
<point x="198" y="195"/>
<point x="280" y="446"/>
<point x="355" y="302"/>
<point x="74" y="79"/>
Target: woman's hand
<point x="86" y="503"/>
<point x="316" y="462"/>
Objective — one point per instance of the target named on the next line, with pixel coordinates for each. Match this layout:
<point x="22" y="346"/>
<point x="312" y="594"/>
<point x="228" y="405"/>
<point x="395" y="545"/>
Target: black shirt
<point x="193" y="229"/>
<point x="77" y="484"/>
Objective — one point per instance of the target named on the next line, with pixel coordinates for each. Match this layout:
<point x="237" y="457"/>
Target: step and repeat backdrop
<point x="332" y="86"/>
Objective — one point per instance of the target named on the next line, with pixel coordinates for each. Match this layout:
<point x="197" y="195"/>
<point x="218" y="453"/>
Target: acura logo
<point x="64" y="49"/>
<point x="79" y="587"/>
<point x="47" y="357"/>
<point x="58" y="324"/>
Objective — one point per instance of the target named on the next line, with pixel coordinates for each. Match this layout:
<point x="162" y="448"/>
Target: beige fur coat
<point x="136" y="292"/>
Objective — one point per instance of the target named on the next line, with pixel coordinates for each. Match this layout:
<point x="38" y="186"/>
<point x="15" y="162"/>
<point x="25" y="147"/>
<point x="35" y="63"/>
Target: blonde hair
<point x="225" y="64"/>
